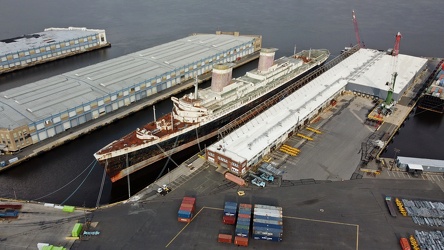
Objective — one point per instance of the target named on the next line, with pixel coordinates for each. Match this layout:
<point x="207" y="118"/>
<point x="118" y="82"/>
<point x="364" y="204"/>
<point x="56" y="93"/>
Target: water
<point x="134" y="25"/>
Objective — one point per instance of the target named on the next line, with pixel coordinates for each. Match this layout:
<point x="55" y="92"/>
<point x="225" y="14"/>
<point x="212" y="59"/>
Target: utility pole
<point x="394" y="160"/>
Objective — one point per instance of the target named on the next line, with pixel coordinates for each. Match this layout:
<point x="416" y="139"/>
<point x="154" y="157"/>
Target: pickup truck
<point x="258" y="182"/>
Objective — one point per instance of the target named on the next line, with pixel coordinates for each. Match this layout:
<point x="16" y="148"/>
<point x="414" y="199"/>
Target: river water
<point x="134" y="25"/>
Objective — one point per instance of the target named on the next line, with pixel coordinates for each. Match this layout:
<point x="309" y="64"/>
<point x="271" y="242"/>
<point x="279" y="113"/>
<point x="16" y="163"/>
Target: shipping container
<point x="225" y="238"/>
<point x="268" y="231"/>
<point x="257" y="224"/>
<point x="11" y="206"/>
<point x="184" y="219"/>
<point x="244" y="205"/>
<point x="68" y="209"/>
<point x="244" y="221"/>
<point x="269" y="238"/>
<point x="229" y="220"/>
<point x="184" y="214"/>
<point x="186" y="210"/>
<point x="242" y="232"/>
<point x="405" y="245"/>
<point x="77" y="230"/>
<point x="244" y="216"/>
<point x="274" y="222"/>
<point x="241" y="241"/>
<point x="256" y="206"/>
<point x="269" y="213"/>
<point x="239" y="181"/>
<point x="260" y="217"/>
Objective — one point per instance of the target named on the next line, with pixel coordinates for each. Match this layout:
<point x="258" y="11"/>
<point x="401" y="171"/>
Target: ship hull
<point x="119" y="167"/>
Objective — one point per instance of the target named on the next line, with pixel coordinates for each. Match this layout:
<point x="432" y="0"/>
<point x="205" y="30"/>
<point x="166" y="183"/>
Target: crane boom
<point x="355" y="23"/>
<point x="397" y="42"/>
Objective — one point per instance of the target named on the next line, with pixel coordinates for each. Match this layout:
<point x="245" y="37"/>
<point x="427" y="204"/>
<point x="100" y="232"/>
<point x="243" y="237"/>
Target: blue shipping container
<point x="242" y="232"/>
<point x="244" y="219"/>
<point x="184" y="214"/>
<point x="269" y="238"/>
<point x="257" y="224"/>
<point x="230" y="203"/>
<point x="244" y="211"/>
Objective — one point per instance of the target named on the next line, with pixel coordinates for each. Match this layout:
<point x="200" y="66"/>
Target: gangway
<point x="304" y="136"/>
<point x="314" y="130"/>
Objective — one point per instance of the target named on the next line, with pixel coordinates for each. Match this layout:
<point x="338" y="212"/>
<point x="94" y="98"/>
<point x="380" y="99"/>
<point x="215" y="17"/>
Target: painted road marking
<point x="195" y="216"/>
<point x="330" y="222"/>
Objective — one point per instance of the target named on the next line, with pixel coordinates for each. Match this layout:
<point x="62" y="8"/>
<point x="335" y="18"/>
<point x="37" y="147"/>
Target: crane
<point x="388" y="103"/>
<point x="355" y="23"/>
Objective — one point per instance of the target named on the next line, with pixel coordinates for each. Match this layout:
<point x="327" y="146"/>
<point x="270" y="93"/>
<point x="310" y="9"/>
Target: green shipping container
<point x="68" y="209"/>
<point x="48" y="248"/>
<point x="77" y="230"/>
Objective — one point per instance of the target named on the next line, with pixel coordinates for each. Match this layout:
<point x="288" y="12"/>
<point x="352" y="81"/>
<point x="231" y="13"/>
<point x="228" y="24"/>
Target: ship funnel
<point x="266" y="59"/>
<point x="221" y="76"/>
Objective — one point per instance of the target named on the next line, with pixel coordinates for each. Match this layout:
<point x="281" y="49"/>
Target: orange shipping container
<point x="225" y="238"/>
<point x="404" y="244"/>
<point x="241" y="241"/>
<point x="239" y="181"/>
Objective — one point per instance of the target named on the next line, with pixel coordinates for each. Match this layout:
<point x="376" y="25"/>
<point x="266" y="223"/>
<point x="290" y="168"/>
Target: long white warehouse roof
<point x="250" y="140"/>
<point x="41" y="99"/>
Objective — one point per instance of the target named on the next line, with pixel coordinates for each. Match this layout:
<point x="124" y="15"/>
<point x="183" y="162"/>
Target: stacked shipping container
<point x="243" y="225"/>
<point x="230" y="212"/>
<point x="267" y="223"/>
<point x="186" y="210"/>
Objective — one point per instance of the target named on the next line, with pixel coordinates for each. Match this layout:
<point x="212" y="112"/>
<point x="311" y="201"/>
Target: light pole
<point x="394" y="160"/>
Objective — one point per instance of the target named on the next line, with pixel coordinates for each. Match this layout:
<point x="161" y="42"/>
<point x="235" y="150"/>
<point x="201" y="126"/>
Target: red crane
<point x="396" y="48"/>
<point x="355" y="23"/>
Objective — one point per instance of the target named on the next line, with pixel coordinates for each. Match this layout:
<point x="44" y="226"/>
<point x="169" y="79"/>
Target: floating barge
<point x="433" y="97"/>
<point x="51" y="44"/>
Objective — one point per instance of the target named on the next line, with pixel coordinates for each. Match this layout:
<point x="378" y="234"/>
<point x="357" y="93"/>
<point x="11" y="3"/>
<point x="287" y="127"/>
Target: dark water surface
<point x="134" y="25"/>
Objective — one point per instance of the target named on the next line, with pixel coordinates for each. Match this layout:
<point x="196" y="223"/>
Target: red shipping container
<point x="241" y="241"/>
<point x="404" y="244"/>
<point x="190" y="200"/>
<point x="230" y="220"/>
<point x="243" y="205"/>
<point x="189" y="209"/>
<point x="244" y="216"/>
<point x="184" y="219"/>
<point x="225" y="238"/>
<point x="187" y="205"/>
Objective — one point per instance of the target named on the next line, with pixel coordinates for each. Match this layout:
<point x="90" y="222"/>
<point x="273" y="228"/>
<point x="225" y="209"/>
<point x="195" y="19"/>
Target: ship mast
<point x="154" y="112"/>
<point x="195" y="89"/>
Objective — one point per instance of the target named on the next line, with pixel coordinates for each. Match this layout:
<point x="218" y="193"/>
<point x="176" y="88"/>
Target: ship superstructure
<point x="198" y="115"/>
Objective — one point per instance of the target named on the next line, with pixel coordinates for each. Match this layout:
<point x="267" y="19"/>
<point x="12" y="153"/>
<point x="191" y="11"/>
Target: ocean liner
<point x="197" y="116"/>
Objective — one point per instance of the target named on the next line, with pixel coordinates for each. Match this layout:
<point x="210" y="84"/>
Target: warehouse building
<point x="52" y="43"/>
<point x="247" y="145"/>
<point x="37" y="111"/>
<point x="371" y="80"/>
